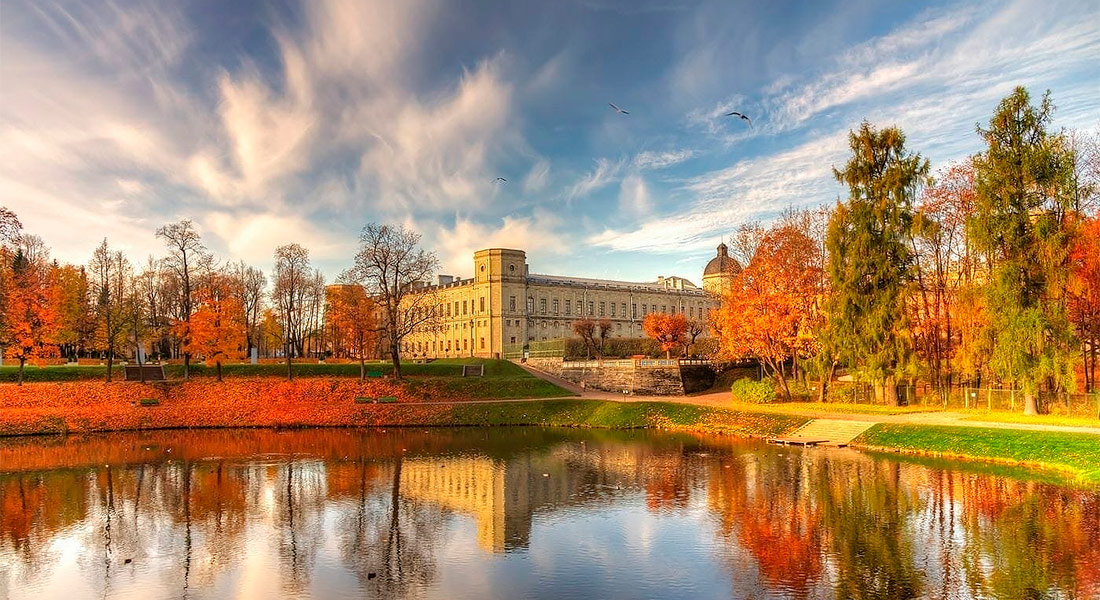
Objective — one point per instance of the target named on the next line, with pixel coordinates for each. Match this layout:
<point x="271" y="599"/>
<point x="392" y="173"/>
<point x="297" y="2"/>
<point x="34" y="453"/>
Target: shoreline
<point x="51" y="409"/>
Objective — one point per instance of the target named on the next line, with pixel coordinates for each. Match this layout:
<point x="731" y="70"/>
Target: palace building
<point x="504" y="306"/>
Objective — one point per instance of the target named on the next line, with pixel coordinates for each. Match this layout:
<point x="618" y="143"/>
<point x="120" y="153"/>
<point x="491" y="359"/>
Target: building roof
<point x="722" y="263"/>
<point x="610" y="284"/>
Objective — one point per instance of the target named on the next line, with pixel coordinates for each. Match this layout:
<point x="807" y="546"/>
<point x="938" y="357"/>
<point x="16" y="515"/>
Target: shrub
<point x="149" y="402"/>
<point x="755" y="392"/>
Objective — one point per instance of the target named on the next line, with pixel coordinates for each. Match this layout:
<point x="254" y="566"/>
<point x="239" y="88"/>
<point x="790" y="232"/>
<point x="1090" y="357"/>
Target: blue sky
<point x="268" y="123"/>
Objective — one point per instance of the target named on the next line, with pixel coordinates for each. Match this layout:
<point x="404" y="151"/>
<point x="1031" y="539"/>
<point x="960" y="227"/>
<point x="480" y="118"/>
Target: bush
<point x="754" y="392"/>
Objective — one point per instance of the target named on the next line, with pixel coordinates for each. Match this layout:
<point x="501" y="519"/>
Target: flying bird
<point x="618" y="110"/>
<point x="737" y="114"/>
<point x="500" y="180"/>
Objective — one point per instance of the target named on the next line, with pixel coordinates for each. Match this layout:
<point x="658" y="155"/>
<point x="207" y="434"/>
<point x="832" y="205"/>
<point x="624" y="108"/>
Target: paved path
<point x="722" y="399"/>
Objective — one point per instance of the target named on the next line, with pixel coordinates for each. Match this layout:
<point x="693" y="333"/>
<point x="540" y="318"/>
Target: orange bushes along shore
<point x="255" y="402"/>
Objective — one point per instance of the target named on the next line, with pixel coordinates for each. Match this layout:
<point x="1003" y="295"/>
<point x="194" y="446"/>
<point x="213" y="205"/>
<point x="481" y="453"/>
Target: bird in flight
<point x="618" y="110"/>
<point x="500" y="180"/>
<point x="737" y="114"/>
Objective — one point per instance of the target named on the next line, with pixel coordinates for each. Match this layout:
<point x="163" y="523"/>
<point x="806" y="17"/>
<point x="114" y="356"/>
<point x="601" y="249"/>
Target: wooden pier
<point x="824" y="432"/>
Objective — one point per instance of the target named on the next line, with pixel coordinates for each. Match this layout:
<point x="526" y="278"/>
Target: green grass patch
<point x="614" y="415"/>
<point x="1016" y="417"/>
<point x="1074" y="453"/>
<point x="149" y="402"/>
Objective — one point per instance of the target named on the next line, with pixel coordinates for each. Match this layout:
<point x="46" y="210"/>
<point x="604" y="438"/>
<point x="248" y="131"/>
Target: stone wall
<point x="647" y="377"/>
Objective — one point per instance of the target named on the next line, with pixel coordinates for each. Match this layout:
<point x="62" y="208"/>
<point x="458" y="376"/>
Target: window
<point x="591" y="305"/>
<point x="664" y="308"/>
<point x="634" y="311"/>
<point x="482" y="343"/>
<point x="530" y="304"/>
<point x="464" y="345"/>
<point x="456" y="308"/>
<point x="652" y="308"/>
<point x="512" y="303"/>
<point x="448" y="309"/>
<point x="556" y="306"/>
<point x="482" y="309"/>
<point x="643" y="310"/>
<point x="513" y="339"/>
<point x="691" y="311"/>
<point x="542" y="306"/>
<point x="619" y="326"/>
<point x="568" y="307"/>
<point x="612" y="309"/>
<point x="512" y="268"/>
<point x="602" y="306"/>
<point x="464" y="311"/>
<point x="623" y="310"/>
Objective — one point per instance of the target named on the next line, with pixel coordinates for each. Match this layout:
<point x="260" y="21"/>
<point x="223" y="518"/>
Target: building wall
<point x="502" y="304"/>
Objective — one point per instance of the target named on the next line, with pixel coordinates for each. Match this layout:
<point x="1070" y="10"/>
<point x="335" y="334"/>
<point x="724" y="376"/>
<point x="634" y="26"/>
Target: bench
<point x="380" y="400"/>
<point x="151" y="372"/>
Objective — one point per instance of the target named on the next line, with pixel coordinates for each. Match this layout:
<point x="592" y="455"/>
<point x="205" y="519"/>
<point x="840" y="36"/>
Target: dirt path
<point x="722" y="399"/>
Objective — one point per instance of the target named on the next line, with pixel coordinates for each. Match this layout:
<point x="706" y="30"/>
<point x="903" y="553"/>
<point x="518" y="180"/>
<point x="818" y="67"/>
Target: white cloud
<point x="537" y="178"/>
<point x="634" y="196"/>
<point x="606" y="172"/>
<point x="661" y="160"/>
<point x="537" y="234"/>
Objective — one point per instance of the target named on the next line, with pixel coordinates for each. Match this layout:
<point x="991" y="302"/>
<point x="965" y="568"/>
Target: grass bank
<point x="1076" y="454"/>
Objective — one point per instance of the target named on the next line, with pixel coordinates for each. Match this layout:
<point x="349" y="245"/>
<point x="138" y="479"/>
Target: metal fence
<point x="536" y="349"/>
<point x="988" y="398"/>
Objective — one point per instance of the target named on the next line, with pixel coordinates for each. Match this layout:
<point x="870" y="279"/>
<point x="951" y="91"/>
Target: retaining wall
<point x="650" y="377"/>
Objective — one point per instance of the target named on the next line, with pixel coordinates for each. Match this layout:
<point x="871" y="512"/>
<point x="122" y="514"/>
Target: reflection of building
<point x="505" y="305"/>
<point x="501" y="495"/>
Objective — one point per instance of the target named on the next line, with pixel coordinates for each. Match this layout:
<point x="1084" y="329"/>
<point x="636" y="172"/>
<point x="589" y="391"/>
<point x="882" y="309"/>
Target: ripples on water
<point x="522" y="513"/>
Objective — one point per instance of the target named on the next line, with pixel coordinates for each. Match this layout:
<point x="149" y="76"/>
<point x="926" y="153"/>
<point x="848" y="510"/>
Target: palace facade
<point x="504" y="306"/>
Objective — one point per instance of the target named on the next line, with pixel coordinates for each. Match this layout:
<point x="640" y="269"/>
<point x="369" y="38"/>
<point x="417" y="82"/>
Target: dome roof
<point x="723" y="263"/>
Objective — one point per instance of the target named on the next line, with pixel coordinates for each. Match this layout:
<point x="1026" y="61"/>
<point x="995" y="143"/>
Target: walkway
<point x="722" y="399"/>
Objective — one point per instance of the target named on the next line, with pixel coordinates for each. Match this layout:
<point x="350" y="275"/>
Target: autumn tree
<point x="393" y="269"/>
<point x="74" y="310"/>
<point x="586" y="329"/>
<point x="667" y="329"/>
<point x="291" y="286"/>
<point x="945" y="265"/>
<point x="217" y="327"/>
<point x="250" y="284"/>
<point x="352" y="314"/>
<point x="870" y="260"/>
<point x="111" y="278"/>
<point x="770" y="312"/>
<point x="1023" y="217"/>
<point x="30" y="316"/>
<point x="1084" y="299"/>
<point x="187" y="258"/>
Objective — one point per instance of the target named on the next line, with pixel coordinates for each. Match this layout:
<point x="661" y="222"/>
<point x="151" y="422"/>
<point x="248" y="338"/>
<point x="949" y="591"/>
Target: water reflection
<point x="522" y="513"/>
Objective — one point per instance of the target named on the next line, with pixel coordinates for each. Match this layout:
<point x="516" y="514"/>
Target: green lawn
<point x="619" y="415"/>
<point x="451" y="367"/>
<point x="1018" y="417"/>
<point x="1074" y="453"/>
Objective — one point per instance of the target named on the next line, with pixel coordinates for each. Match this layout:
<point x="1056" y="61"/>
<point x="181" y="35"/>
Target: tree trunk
<point x="22" y="363"/>
<point x="395" y="355"/>
<point x="218" y="366"/>
<point x="1031" y="403"/>
<point x="289" y="372"/>
<point x="783" y="384"/>
<point x="822" y="394"/>
<point x="110" y="363"/>
<point x="892" y="392"/>
<point x="186" y="365"/>
<point x="362" y="368"/>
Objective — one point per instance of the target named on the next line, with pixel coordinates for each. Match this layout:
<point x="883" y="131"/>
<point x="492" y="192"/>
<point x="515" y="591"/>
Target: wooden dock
<point x="824" y="432"/>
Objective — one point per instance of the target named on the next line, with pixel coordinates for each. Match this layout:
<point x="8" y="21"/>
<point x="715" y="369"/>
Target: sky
<point x="275" y="122"/>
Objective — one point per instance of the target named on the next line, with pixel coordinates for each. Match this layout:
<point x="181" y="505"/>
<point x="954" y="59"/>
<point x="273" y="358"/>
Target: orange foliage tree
<point x="1084" y="297"/>
<point x="217" y="330"/>
<point x="669" y="330"/>
<point x="770" y="311"/>
<point x="352" y="317"/>
<point x="30" y="317"/>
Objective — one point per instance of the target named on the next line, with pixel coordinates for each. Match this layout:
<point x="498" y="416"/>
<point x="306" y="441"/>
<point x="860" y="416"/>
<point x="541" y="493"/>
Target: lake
<point x="524" y="513"/>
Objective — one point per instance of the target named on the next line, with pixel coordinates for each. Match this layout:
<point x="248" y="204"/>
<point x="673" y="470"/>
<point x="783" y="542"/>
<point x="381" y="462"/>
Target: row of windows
<point x="422" y="347"/>
<point x="605" y="309"/>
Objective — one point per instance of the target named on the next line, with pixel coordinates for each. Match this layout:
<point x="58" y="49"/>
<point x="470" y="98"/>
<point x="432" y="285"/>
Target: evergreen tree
<point x="1022" y="219"/>
<point x="870" y="261"/>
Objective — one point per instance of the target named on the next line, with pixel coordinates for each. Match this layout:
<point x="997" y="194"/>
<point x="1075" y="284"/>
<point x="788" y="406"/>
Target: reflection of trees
<point x="299" y="507"/>
<point x="866" y="509"/>
<point x="390" y="538"/>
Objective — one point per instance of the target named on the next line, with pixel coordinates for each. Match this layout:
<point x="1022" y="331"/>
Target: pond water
<point x="523" y="513"/>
